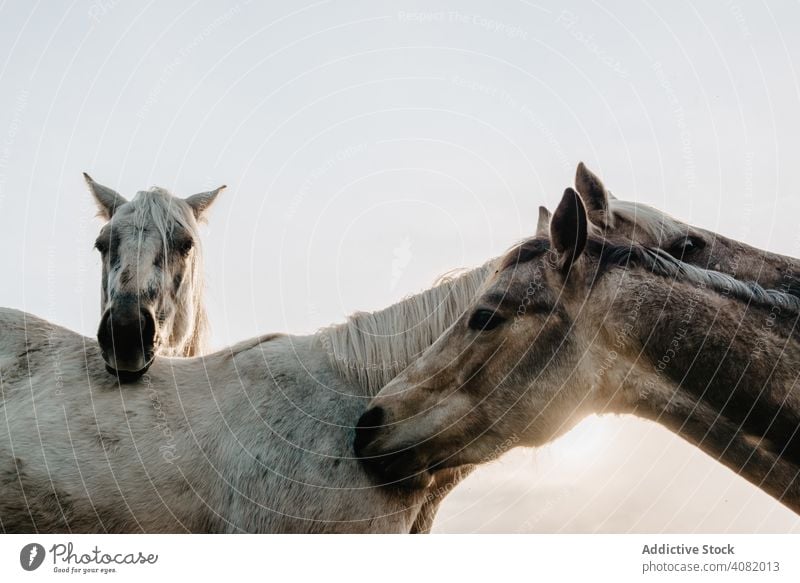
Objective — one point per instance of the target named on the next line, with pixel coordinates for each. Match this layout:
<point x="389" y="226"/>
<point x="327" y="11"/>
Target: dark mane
<point x="661" y="263"/>
<point x="611" y="254"/>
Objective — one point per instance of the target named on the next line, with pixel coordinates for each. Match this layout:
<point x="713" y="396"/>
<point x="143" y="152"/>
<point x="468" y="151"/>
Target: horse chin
<point x="417" y="481"/>
<point x="399" y="470"/>
<point x="128" y="376"/>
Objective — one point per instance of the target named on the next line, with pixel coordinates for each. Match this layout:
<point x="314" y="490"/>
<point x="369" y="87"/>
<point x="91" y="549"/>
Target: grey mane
<point x="661" y="263"/>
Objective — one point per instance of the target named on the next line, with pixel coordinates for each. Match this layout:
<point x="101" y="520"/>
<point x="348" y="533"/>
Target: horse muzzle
<point x="127" y="339"/>
<point x="402" y="468"/>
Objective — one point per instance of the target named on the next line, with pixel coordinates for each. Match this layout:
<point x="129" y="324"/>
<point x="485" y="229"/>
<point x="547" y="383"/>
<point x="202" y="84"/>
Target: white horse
<point x="152" y="283"/>
<point x="252" y="438"/>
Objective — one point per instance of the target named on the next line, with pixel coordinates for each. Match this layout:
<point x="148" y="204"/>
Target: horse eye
<point x="101" y="245"/>
<point x="184" y="246"/>
<point x="485" y="320"/>
<point x="686" y="246"/>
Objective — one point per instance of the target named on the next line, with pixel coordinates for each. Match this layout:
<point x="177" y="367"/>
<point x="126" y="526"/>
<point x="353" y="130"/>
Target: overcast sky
<point x="371" y="146"/>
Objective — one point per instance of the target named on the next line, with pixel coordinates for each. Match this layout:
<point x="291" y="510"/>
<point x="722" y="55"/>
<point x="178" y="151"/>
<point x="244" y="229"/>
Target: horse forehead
<point x="135" y="238"/>
<point x="125" y="226"/>
<point x="515" y="279"/>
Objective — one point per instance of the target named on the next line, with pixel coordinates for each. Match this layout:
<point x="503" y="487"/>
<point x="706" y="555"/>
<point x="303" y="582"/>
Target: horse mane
<point x="656" y="224"/>
<point x="371" y="348"/>
<point x="659" y="262"/>
<point x="157" y="208"/>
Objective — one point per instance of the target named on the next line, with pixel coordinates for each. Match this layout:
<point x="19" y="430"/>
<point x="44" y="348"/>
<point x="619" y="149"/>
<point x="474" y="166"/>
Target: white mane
<point x="159" y="209"/>
<point x="371" y="348"/>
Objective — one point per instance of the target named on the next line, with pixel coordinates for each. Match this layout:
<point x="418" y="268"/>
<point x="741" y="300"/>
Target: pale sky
<point x="371" y="146"/>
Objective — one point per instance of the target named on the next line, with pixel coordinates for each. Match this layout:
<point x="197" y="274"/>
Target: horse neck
<point x="371" y="348"/>
<point x="770" y="270"/>
<point x="721" y="375"/>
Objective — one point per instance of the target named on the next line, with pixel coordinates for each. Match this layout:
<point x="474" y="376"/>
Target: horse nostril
<point x="366" y="429"/>
<point x="147" y="326"/>
<point x="371" y="419"/>
<point x="104" y="330"/>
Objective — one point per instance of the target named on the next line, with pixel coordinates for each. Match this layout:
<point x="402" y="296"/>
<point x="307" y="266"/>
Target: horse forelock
<point x="157" y="208"/>
<point x="159" y="212"/>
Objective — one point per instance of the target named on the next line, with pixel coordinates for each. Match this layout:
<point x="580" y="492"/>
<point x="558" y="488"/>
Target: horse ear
<point x="201" y="201"/>
<point x="568" y="229"/>
<point x="594" y="195"/>
<point x="543" y="225"/>
<point x="107" y="199"/>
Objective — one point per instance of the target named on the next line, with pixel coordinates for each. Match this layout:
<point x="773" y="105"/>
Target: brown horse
<point x="572" y="324"/>
<point x="652" y="228"/>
